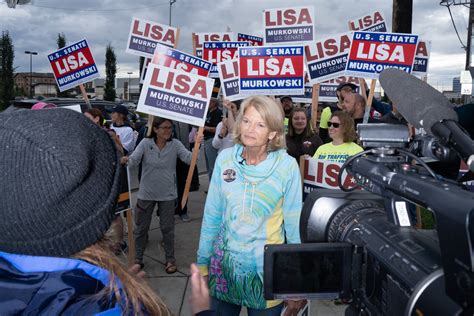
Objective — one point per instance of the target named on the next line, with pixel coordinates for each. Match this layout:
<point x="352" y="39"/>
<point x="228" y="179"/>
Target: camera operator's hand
<point x="293" y="307"/>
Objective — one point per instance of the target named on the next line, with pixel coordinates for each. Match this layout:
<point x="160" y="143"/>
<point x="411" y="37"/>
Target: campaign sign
<point x="73" y="65"/>
<point x="253" y="40"/>
<point x="173" y="58"/>
<point x="229" y="77"/>
<point x="175" y="95"/>
<point x="217" y="52"/>
<point x="373" y="22"/>
<point x="327" y="58"/>
<point x="423" y="50"/>
<point x="200" y="38"/>
<point x="144" y="35"/>
<point x="271" y="70"/>
<point x="307" y="97"/>
<point x="321" y="173"/>
<point x="289" y="25"/>
<point x="327" y="89"/>
<point x="144" y="69"/>
<point x="371" y="53"/>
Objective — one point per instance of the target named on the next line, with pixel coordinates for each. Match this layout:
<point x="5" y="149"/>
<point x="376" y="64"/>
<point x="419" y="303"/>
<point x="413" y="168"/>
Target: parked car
<point x="105" y="107"/>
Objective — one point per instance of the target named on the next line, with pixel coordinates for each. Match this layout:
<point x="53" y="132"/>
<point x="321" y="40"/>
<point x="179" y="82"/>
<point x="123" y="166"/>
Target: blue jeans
<point x="228" y="309"/>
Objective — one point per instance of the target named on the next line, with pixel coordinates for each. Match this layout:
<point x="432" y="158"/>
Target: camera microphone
<point x="241" y="162"/>
<point x="424" y="106"/>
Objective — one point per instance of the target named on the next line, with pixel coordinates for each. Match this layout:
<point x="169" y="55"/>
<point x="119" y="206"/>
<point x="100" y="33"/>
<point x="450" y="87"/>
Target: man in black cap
<point x="123" y="129"/>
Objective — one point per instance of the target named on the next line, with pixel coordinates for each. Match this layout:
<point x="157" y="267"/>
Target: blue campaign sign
<point x="371" y="53"/>
<point x="253" y="40"/>
<point x="73" y="65"/>
<point x="271" y="70"/>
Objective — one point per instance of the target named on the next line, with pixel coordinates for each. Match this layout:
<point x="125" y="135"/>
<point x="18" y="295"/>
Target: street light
<point x="171" y="3"/>
<point x="129" y="73"/>
<point x="31" y="53"/>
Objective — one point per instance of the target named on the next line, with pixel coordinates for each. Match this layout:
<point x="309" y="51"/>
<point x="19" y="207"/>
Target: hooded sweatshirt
<point x="34" y="285"/>
<point x="247" y="207"/>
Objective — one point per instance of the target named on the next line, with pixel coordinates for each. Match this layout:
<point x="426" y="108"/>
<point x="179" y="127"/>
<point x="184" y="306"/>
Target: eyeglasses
<point x="165" y="127"/>
<point x="335" y="125"/>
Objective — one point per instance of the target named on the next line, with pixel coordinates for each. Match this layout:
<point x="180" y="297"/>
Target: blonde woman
<point x="254" y="199"/>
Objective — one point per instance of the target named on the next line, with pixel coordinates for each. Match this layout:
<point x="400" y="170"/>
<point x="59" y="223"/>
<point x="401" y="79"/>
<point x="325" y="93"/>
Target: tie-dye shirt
<point x="247" y="207"/>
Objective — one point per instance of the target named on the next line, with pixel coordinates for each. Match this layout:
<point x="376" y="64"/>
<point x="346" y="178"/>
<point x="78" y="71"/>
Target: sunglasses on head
<point x="335" y="125"/>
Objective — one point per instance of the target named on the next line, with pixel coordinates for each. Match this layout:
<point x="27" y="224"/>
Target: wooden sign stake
<point x="314" y="106"/>
<point x="199" y="134"/>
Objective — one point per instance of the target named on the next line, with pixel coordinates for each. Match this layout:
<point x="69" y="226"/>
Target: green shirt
<point x="337" y="153"/>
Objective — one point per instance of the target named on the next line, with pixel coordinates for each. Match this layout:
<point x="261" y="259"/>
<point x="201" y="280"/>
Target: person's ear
<point x="271" y="135"/>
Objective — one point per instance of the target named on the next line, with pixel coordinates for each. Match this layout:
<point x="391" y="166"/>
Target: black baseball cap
<point x="346" y="84"/>
<point x="286" y="97"/>
<point x="120" y="109"/>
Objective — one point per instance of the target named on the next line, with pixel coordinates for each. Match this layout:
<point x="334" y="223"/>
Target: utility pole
<point x="402" y="15"/>
<point x="469" y="36"/>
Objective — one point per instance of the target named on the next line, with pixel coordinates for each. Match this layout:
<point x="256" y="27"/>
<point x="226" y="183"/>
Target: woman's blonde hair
<point x="272" y="115"/>
<point x="136" y="297"/>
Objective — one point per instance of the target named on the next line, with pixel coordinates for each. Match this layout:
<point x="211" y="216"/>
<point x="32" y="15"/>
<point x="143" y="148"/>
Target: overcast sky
<point x="35" y="26"/>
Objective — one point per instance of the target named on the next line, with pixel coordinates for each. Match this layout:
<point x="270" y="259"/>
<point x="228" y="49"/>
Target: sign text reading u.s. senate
<point x="289" y="25"/>
<point x="73" y="65"/>
<point x="272" y="70"/>
<point x="327" y="58"/>
<point x="253" y="40"/>
<point x="144" y="35"/>
<point x="216" y="52"/>
<point x="371" y="53"/>
<point x="173" y="58"/>
<point x="200" y="38"/>
<point x="176" y="95"/>
<point x="373" y="22"/>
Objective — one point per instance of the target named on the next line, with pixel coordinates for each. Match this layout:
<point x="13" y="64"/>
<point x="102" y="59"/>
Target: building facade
<point x="38" y="83"/>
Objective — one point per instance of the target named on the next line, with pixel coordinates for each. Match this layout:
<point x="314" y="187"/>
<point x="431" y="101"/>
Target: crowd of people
<point x="60" y="232"/>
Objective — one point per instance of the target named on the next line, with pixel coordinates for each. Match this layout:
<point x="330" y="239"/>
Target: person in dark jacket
<point x="59" y="192"/>
<point x="300" y="139"/>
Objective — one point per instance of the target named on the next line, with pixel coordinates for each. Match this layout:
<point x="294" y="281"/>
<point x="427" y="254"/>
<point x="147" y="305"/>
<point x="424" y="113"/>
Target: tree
<point x="110" y="72"/>
<point x="61" y="41"/>
<point x="7" y="91"/>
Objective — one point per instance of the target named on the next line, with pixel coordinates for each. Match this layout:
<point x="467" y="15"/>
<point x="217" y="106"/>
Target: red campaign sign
<point x="324" y="174"/>
<point x="286" y="66"/>
<point x="272" y="70"/>
<point x="75" y="61"/>
<point x="373" y="52"/>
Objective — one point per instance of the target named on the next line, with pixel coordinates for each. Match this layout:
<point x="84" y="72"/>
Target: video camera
<point x="360" y="246"/>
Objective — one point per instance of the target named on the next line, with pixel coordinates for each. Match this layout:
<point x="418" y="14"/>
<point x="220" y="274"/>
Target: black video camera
<point x="360" y="246"/>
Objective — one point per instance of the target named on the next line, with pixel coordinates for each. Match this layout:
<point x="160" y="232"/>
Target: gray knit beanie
<point x="59" y="181"/>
